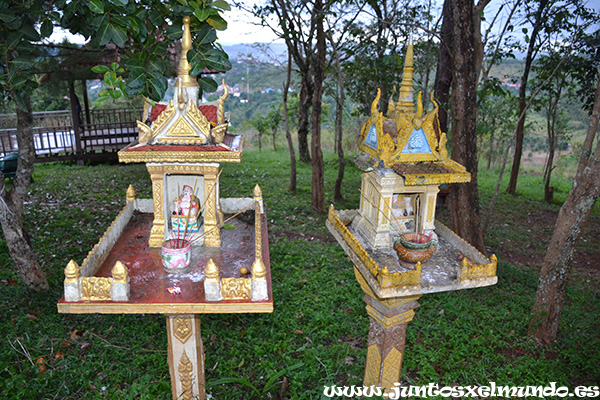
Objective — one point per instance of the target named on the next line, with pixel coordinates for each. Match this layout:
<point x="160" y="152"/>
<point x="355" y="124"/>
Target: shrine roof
<point x="432" y="172"/>
<point x="228" y="151"/>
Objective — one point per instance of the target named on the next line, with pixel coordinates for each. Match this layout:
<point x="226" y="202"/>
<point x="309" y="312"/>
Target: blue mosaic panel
<point x="371" y="139"/>
<point x="417" y="143"/>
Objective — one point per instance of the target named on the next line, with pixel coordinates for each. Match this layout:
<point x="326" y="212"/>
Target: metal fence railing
<point x="56" y="137"/>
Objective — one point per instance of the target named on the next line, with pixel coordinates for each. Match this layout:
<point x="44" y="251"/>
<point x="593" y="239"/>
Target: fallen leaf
<point x="298" y="332"/>
<point x="441" y="312"/>
<point x="41" y="363"/>
<point x="349" y="360"/>
<point x="212" y="337"/>
<point x="59" y="356"/>
<point x="31" y="317"/>
<point x="243" y="332"/>
<point x="302" y="280"/>
<point x="76" y="333"/>
<point x="12" y="282"/>
<point x="65" y="344"/>
<point x="226" y="323"/>
<point x="240" y="365"/>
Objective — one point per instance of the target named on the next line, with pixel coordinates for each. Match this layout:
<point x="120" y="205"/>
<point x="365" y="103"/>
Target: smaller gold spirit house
<point x="404" y="162"/>
<point x="182" y="143"/>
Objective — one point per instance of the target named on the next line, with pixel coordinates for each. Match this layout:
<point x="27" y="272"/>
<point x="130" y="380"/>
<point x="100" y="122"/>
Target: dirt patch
<point x="538" y="227"/>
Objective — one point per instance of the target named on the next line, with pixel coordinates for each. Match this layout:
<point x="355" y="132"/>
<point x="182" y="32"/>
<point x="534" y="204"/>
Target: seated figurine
<point x="185" y="211"/>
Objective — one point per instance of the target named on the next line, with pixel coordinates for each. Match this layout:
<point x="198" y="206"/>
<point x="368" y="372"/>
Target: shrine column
<point x="387" y="335"/>
<point x="157" y="234"/>
<point x="212" y="234"/>
<point x="186" y="357"/>
<point x="429" y="198"/>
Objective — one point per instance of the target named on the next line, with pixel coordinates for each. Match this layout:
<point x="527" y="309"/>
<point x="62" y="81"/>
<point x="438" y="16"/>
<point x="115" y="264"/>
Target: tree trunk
<point x="571" y="219"/>
<point x="306" y="98"/>
<point x="491" y="151"/>
<point x="11" y="203"/>
<point x="260" y="140"/>
<point x="464" y="198"/>
<point x="514" y="173"/>
<point x="548" y="191"/>
<point x="318" y="195"/>
<point x="443" y="75"/>
<point x="339" y="119"/>
<point x="286" y="124"/>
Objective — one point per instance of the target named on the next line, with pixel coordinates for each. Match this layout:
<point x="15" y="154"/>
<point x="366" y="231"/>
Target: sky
<point x="241" y="29"/>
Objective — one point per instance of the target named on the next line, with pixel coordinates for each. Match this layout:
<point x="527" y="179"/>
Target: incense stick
<point x="228" y="219"/>
<point x="205" y="201"/>
<point x="187" y="217"/>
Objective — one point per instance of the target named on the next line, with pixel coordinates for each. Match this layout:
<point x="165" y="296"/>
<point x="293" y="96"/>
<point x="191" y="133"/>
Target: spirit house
<point x="398" y="249"/>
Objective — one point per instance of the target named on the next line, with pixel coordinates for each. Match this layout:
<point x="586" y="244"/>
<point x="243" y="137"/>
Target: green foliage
<point x="145" y="31"/>
<point x="23" y="24"/>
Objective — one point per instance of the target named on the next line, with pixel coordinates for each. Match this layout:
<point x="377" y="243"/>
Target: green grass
<point x="317" y="334"/>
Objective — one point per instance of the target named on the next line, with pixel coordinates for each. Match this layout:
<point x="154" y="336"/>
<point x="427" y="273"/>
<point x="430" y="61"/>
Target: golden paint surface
<point x="373" y="366"/>
<point x="391" y="369"/>
<point x="182" y="329"/>
<point x="185" y="369"/>
<point x="235" y="288"/>
<point x="94" y="288"/>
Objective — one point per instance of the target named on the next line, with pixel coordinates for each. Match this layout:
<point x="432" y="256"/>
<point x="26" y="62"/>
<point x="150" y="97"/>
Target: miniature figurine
<point x="185" y="211"/>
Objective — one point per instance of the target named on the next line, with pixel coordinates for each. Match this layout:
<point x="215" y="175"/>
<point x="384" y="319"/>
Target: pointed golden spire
<point x="131" y="194"/>
<point x="72" y="273"/>
<point x="211" y="272"/>
<point x="405" y="97"/>
<point x="119" y="272"/>
<point x="184" y="78"/>
<point x="221" y="115"/>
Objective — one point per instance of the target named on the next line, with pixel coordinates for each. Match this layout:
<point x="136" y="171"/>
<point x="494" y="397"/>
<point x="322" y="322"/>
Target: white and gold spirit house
<point x="404" y="162"/>
<point x="182" y="143"/>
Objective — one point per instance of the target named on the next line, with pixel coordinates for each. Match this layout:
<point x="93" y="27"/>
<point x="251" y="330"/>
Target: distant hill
<point x="261" y="51"/>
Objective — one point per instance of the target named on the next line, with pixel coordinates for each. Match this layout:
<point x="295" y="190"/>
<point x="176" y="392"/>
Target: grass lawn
<point x="317" y="334"/>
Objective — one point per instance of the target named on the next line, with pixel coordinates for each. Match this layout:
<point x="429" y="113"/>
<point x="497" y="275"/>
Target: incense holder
<point x="414" y="247"/>
<point x="176" y="255"/>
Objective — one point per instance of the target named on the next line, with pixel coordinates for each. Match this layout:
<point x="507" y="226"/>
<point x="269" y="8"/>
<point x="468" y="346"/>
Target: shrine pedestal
<point x="186" y="357"/>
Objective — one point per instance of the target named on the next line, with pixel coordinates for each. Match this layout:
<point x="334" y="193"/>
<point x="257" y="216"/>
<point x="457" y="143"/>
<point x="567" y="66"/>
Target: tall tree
<point x="464" y="198"/>
<point x="537" y="17"/>
<point x="293" y="21"/>
<point x="571" y="219"/>
<point x="318" y="66"/>
<point x="286" y="125"/>
<point x="23" y="25"/>
<point x="549" y="20"/>
<point x="458" y="68"/>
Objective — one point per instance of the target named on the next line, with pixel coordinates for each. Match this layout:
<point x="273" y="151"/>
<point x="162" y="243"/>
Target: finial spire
<point x="405" y="98"/>
<point x="185" y="79"/>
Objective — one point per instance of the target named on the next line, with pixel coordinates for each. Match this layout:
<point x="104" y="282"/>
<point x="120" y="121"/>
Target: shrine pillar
<point x="186" y="357"/>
